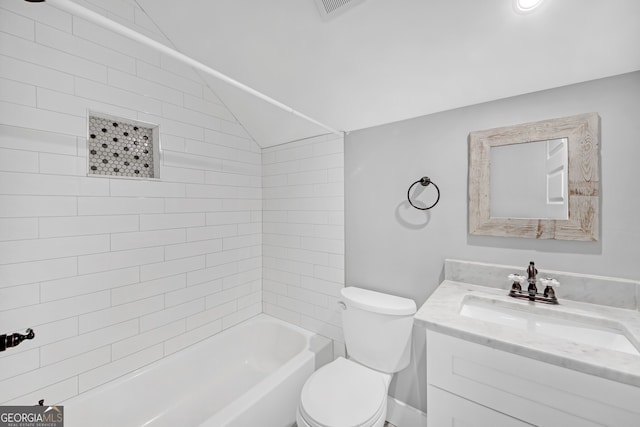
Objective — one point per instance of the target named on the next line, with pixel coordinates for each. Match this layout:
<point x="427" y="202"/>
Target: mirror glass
<point x="529" y="180"/>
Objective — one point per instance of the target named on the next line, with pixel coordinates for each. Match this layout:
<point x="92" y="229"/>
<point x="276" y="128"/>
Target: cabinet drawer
<point x="539" y="393"/>
<point x="446" y="409"/>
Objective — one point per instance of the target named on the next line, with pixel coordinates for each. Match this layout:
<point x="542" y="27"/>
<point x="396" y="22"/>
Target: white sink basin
<point x="575" y="330"/>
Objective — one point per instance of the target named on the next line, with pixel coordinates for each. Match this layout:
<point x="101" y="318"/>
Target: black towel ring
<point x="424" y="181"/>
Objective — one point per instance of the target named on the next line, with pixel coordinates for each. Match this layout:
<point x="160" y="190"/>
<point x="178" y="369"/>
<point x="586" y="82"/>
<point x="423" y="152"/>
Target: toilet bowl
<point x="344" y="393"/>
<point x="353" y="392"/>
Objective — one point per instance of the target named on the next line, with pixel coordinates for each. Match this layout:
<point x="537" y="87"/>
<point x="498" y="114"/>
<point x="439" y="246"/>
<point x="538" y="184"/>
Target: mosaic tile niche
<point x="121" y="148"/>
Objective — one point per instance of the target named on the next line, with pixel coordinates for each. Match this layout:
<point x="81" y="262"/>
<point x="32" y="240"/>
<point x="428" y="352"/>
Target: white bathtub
<point x="248" y="375"/>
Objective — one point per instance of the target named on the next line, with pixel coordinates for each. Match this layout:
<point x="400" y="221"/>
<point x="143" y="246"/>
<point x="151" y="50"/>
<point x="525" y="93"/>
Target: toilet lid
<point x="343" y="393"/>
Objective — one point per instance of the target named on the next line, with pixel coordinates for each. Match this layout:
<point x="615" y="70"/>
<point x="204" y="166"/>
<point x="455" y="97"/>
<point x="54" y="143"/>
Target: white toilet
<point x="353" y="392"/>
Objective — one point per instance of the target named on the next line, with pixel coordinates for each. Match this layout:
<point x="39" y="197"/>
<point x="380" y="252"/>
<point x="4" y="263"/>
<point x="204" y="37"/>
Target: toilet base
<point x="380" y="422"/>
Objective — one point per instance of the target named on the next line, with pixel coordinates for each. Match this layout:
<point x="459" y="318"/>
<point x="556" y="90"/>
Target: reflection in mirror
<point x="554" y="162"/>
<point x="530" y="180"/>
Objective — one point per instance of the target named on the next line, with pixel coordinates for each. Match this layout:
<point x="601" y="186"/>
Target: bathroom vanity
<point x="497" y="361"/>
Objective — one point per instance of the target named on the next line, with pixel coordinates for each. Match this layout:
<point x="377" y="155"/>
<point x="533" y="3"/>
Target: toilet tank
<point x="377" y="328"/>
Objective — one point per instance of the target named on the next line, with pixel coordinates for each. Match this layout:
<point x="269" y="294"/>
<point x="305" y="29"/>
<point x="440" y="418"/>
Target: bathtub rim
<point x="193" y="348"/>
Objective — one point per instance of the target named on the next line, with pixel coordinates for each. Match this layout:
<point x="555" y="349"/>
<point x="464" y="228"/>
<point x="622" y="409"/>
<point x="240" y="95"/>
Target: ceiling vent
<point x="332" y="8"/>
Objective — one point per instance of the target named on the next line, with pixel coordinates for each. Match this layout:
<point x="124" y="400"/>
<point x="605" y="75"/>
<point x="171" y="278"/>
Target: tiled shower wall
<point x="113" y="274"/>
<point x="303" y="240"/>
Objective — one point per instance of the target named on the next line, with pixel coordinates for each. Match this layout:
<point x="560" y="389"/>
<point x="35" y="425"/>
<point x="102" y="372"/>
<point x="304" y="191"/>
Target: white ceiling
<point x="389" y="60"/>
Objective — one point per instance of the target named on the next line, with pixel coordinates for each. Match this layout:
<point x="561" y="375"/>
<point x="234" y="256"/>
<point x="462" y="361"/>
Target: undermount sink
<point x="573" y="328"/>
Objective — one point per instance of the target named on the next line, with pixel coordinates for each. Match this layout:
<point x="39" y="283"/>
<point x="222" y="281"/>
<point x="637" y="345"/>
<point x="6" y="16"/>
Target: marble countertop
<point x="441" y="313"/>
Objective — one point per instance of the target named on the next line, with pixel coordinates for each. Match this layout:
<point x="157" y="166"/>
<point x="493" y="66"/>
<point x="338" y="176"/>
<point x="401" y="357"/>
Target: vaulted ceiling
<point x="389" y="60"/>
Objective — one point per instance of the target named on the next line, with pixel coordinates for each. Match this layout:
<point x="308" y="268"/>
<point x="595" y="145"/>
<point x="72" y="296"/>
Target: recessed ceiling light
<point x="525" y="6"/>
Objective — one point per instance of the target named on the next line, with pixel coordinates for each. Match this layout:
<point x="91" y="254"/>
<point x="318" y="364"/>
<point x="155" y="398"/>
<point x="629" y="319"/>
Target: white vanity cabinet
<point x="474" y="385"/>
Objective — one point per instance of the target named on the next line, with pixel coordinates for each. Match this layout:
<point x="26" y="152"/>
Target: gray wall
<point x="393" y="248"/>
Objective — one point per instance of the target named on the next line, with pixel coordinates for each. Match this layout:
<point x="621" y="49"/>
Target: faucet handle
<point x="515" y="277"/>
<point x="516" y="280"/>
<point x="548" y="281"/>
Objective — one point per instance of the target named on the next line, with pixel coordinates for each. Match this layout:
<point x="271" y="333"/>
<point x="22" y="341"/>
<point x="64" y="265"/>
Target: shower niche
<point x="124" y="148"/>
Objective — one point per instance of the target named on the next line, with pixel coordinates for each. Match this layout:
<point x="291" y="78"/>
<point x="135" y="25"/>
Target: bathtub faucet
<point x="12" y="340"/>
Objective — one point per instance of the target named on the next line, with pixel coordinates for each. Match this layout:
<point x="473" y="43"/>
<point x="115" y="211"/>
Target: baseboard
<point x="402" y="415"/>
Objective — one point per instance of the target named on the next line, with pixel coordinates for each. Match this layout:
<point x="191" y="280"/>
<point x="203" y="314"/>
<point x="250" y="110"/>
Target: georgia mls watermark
<point x="31" y="416"/>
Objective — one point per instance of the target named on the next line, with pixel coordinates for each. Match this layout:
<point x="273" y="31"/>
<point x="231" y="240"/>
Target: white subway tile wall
<point x="113" y="273"/>
<point x="303" y="234"/>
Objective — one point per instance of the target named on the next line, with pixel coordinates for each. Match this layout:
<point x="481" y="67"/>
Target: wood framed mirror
<point x="574" y="183"/>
